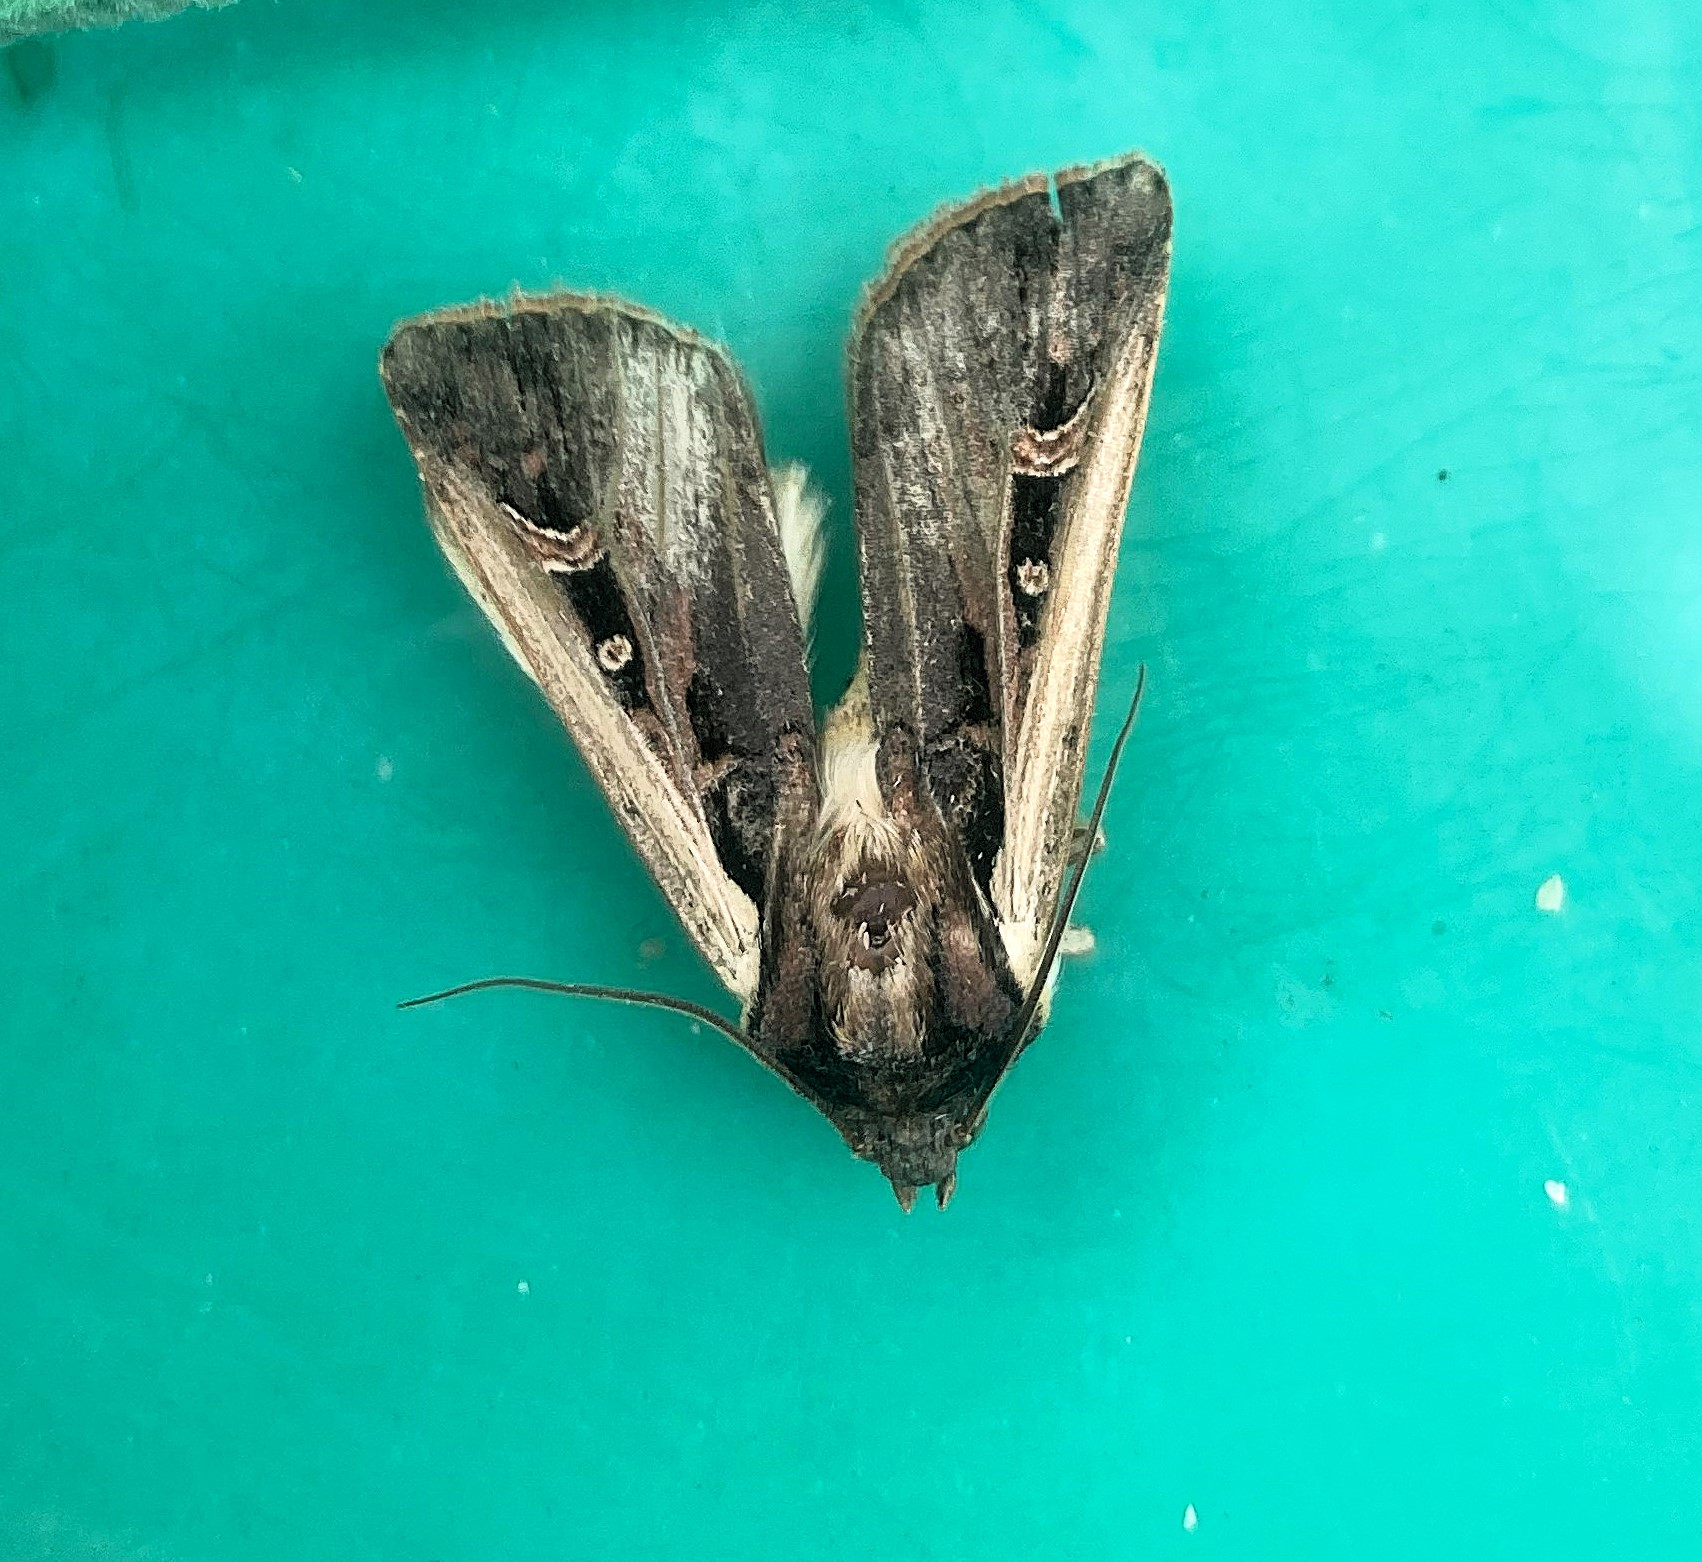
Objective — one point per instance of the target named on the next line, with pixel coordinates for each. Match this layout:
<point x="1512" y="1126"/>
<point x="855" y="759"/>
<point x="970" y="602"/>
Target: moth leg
<point x="1078" y="844"/>
<point x="1079" y="940"/>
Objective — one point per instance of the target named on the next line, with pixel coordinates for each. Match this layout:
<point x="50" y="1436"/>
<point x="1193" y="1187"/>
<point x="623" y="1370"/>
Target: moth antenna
<point x="535" y="984"/>
<point x="1024" y="1021"/>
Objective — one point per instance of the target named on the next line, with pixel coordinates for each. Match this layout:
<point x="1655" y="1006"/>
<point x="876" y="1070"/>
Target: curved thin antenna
<point x="1023" y="1024"/>
<point x="536" y="984"/>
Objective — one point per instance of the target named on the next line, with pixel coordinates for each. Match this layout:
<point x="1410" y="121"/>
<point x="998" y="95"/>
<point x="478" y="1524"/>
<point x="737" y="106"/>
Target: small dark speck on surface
<point x="1442" y="476"/>
<point x="1438" y="928"/>
<point x="32" y="70"/>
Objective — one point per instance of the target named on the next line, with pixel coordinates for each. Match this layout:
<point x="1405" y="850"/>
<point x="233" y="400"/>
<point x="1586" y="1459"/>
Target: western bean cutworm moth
<point x="886" y="896"/>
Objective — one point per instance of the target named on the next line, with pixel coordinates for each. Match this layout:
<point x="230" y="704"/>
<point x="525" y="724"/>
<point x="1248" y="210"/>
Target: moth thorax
<point x="872" y="912"/>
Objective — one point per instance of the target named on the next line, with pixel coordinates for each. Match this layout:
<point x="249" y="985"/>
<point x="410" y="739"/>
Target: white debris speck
<point x="384" y="769"/>
<point x="1190" y="1519"/>
<point x="1379" y="541"/>
<point x="1076" y="941"/>
<point x="1556" y="1191"/>
<point x="524" y="1288"/>
<point x="295" y="175"/>
<point x="1551" y="894"/>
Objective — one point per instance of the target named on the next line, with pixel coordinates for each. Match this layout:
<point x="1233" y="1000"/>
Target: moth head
<point x="913" y="1150"/>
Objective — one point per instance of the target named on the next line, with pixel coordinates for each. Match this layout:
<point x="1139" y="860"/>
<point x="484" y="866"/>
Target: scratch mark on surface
<point x="33" y="69"/>
<point x="24" y="759"/>
<point x="118" y="154"/>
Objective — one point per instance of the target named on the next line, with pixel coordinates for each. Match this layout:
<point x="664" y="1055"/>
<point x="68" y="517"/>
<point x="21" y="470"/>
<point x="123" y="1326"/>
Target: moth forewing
<point x="1044" y="773"/>
<point x="502" y="576"/>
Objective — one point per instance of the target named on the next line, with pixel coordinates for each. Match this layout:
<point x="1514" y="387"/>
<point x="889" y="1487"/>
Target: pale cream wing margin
<point x="1043" y="773"/>
<point x="503" y="576"/>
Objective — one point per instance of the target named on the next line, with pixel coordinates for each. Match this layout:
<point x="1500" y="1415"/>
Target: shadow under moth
<point x="885" y="896"/>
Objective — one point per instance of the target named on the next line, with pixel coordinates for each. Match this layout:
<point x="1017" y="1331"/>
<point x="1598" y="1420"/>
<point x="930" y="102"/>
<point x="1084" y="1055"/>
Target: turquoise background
<point x="1260" y="1224"/>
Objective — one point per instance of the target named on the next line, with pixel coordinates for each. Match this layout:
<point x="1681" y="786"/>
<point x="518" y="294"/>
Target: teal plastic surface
<point x="1347" y="1208"/>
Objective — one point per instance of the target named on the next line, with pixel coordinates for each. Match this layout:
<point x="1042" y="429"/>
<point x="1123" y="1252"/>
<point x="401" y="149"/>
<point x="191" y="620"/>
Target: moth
<point x="886" y="896"/>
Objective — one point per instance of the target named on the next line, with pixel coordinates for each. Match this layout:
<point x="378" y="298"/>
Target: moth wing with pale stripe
<point x="1000" y="372"/>
<point x="595" y="476"/>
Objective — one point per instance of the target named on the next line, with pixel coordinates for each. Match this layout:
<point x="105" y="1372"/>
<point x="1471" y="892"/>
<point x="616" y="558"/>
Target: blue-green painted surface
<point x="1260" y="1226"/>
